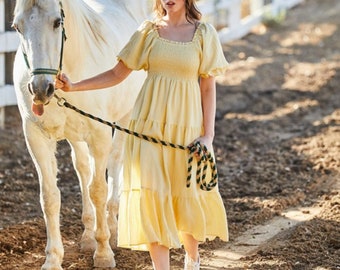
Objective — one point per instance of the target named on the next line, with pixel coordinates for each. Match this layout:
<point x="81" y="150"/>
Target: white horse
<point x="96" y="30"/>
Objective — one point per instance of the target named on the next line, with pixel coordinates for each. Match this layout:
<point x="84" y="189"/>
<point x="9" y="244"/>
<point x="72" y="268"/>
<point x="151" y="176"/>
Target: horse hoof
<point x="53" y="261"/>
<point x="87" y="244"/>
<point x="113" y="241"/>
<point x="104" y="262"/>
<point x="47" y="266"/>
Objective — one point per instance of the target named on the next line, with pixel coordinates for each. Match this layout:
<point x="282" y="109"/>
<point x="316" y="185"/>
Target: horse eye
<point x="57" y="23"/>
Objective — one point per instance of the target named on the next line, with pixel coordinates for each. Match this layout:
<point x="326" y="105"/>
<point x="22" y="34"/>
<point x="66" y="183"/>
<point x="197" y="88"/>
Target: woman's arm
<point x="103" y="80"/>
<point x="208" y="96"/>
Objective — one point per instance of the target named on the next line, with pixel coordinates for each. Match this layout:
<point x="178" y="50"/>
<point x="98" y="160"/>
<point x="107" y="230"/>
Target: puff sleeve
<point x="213" y="62"/>
<point x="135" y="53"/>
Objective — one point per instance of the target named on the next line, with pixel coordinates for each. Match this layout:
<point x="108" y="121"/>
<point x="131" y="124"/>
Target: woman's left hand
<point x="204" y="140"/>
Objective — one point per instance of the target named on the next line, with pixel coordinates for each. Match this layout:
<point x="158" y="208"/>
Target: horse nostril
<point x="50" y="89"/>
<point x="29" y="86"/>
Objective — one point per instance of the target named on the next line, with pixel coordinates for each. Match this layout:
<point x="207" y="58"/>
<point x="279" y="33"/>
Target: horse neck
<point x="97" y="30"/>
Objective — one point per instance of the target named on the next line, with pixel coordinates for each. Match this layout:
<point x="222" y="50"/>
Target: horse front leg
<point x="114" y="169"/>
<point x="114" y="179"/>
<point x="81" y="162"/>
<point x="42" y="151"/>
<point x="103" y="256"/>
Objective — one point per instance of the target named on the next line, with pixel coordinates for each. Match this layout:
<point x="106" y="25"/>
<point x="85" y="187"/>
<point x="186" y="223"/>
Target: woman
<point x="176" y="104"/>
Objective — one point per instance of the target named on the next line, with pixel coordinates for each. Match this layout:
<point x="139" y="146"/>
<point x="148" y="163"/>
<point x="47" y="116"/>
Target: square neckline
<point x="197" y="25"/>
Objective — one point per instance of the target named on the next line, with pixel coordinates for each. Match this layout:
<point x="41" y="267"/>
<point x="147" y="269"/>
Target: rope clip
<point x="60" y="100"/>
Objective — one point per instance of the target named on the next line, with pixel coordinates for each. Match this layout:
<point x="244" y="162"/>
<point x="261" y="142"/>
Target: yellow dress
<point x="155" y="204"/>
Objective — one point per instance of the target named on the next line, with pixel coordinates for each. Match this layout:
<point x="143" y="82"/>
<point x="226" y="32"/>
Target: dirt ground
<point x="277" y="146"/>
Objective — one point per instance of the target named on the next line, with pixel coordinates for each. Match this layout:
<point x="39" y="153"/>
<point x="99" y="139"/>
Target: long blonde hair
<point x="192" y="13"/>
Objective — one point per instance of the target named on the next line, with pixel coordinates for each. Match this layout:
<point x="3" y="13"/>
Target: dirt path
<point x="277" y="145"/>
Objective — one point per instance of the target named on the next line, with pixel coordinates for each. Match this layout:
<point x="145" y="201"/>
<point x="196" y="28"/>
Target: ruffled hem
<point x="147" y="216"/>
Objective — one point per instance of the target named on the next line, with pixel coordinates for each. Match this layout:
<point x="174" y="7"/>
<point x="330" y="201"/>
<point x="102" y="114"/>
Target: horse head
<point x="41" y="31"/>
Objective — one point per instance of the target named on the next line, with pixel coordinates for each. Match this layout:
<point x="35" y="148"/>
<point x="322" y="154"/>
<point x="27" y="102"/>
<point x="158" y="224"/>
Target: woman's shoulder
<point x="147" y="26"/>
<point x="206" y="28"/>
<point x="206" y="32"/>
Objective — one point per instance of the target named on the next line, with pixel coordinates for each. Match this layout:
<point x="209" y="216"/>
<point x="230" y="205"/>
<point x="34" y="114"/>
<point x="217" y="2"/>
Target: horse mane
<point x="83" y="18"/>
<point x="89" y="33"/>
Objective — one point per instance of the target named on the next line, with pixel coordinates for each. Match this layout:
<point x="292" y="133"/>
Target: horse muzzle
<point x="42" y="91"/>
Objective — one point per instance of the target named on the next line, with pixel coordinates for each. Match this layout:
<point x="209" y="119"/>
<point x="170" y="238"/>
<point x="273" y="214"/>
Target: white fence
<point x="226" y="15"/>
<point x="8" y="43"/>
<point x="229" y="18"/>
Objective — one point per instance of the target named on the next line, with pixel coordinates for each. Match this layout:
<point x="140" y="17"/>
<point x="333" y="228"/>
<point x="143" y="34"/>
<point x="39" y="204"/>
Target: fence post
<point x="256" y="6"/>
<point x="9" y="42"/>
<point x="2" y="61"/>
<point x="234" y="17"/>
<point x="232" y="31"/>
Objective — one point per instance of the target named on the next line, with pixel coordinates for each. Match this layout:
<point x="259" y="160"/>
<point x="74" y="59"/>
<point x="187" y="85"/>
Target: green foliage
<point x="271" y="19"/>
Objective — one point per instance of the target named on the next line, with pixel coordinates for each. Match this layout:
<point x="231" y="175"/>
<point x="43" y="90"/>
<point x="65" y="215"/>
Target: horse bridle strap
<point x="50" y="71"/>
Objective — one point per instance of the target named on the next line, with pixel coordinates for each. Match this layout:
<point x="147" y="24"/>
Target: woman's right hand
<point x="63" y="82"/>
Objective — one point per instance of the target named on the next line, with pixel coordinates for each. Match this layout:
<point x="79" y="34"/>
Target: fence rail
<point x="235" y="18"/>
<point x="232" y="18"/>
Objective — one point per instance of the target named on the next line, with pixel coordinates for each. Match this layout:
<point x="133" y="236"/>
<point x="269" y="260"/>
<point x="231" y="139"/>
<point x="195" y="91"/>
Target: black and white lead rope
<point x="203" y="156"/>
